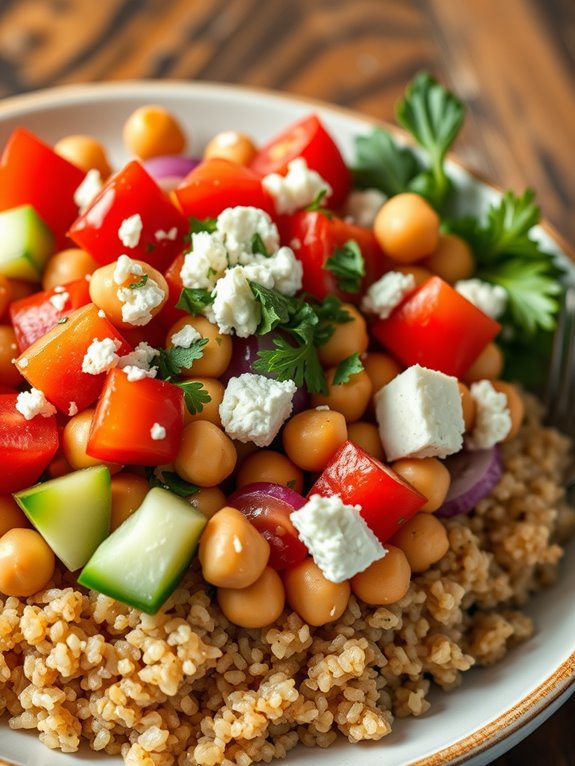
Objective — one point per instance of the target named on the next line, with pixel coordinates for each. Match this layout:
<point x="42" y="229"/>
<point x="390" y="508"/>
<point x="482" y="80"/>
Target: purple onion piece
<point x="473" y="476"/>
<point x="172" y="167"/>
<point x="261" y="489"/>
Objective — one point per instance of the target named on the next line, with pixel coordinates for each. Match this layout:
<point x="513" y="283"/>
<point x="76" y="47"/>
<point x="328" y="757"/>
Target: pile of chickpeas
<point x="234" y="556"/>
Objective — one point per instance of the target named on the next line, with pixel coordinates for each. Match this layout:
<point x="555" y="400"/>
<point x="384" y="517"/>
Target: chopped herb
<point x="330" y="313"/>
<point x="171" y="361"/>
<point x="150" y="247"/>
<point x="194" y="299"/>
<point x="62" y="320"/>
<point x="140" y="283"/>
<point x="275" y="307"/>
<point x="316" y="205"/>
<point x="291" y="483"/>
<point x="348" y="265"/>
<point x="196" y="225"/>
<point x="258" y="245"/>
<point x="195" y="395"/>
<point x="349" y="366"/>
<point x="297" y="363"/>
<point x="170" y="481"/>
<point x="382" y="164"/>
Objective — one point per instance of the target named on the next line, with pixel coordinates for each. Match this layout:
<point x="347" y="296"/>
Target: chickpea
<point x="211" y="410"/>
<point x="11" y="516"/>
<point x="207" y="455"/>
<point x="351" y="398"/>
<point x="244" y="450"/>
<point x="428" y="476"/>
<point x="208" y="501"/>
<point x="104" y="291"/>
<point x="316" y="599"/>
<point x="217" y="351"/>
<point x="407" y="228"/>
<point x="231" y="145"/>
<point x="256" y="606"/>
<point x="5" y="294"/>
<point x="381" y="368"/>
<point x="270" y="466"/>
<point x="128" y="493"/>
<point x="311" y="437"/>
<point x="366" y="436"/>
<point x="59" y="467"/>
<point x="9" y="373"/>
<point x="386" y="581"/>
<point x="515" y="405"/>
<point x="74" y="441"/>
<point x="347" y="338"/>
<point x="84" y="152"/>
<point x="468" y="406"/>
<point x="424" y="541"/>
<point x="66" y="266"/>
<point x="232" y="552"/>
<point x="488" y="365"/>
<point x="151" y="131"/>
<point x="417" y="272"/>
<point x="26" y="562"/>
<point x="451" y="260"/>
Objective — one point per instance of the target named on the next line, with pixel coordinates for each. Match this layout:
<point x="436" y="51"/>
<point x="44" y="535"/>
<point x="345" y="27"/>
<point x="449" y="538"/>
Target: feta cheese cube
<point x="387" y="293"/>
<point x="59" y="300"/>
<point x="88" y="189"/>
<point x="206" y="261"/>
<point x="419" y="414"/>
<point x="125" y="268"/>
<point x="185" y="337"/>
<point x="137" y="303"/>
<point x="235" y="308"/>
<point x="32" y="403"/>
<point x="491" y="299"/>
<point x="100" y="356"/>
<point x="492" y="416"/>
<point x="157" y="432"/>
<point x="237" y="226"/>
<point x="130" y="231"/>
<point x="338" y="539"/>
<point x="297" y="189"/>
<point x="254" y="408"/>
<point x="362" y="206"/>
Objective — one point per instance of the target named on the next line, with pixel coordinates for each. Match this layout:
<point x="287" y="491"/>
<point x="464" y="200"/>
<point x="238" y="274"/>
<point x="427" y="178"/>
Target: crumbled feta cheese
<point x="130" y="230"/>
<point x="295" y="243"/>
<point x="88" y="189"/>
<point x="337" y="537"/>
<point x="236" y="228"/>
<point x="362" y="206"/>
<point x="323" y="408"/>
<point x="101" y="313"/>
<point x="137" y="364"/>
<point x="205" y="263"/>
<point x="157" y="432"/>
<point x="298" y="188"/>
<point x="419" y="414"/>
<point x="59" y="300"/>
<point x="185" y="337"/>
<point x="491" y="299"/>
<point x="137" y="303"/>
<point x="32" y="403"/>
<point x="72" y="409"/>
<point x="492" y="416"/>
<point x="135" y="373"/>
<point x="387" y="293"/>
<point x="59" y="289"/>
<point x="126" y="267"/>
<point x="235" y="308"/>
<point x="237" y="543"/>
<point x="22" y="363"/>
<point x="286" y="271"/>
<point x="170" y="234"/>
<point x="101" y="356"/>
<point x="254" y="408"/>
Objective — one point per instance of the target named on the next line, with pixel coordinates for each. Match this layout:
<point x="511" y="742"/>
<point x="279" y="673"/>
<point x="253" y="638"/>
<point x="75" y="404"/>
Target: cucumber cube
<point x="27" y="243"/>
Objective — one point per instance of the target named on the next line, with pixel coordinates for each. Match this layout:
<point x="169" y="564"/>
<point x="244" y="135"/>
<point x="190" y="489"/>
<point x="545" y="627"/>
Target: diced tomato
<point x="217" y="184"/>
<point x="309" y="139"/>
<point x="33" y="316"/>
<point x="54" y="362"/>
<point x="271" y="517"/>
<point x="122" y="428"/>
<point x="386" y="500"/>
<point x="169" y="313"/>
<point x="26" y="446"/>
<point x="32" y="173"/>
<point x="315" y="237"/>
<point x="131" y="191"/>
<point x="438" y="328"/>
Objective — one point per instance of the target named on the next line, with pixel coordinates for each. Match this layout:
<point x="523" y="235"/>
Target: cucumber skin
<point x="95" y="580"/>
<point x="35" y="242"/>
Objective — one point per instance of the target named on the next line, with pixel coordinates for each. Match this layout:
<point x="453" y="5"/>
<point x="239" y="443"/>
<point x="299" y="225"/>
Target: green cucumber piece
<point x="142" y="561"/>
<point x="27" y="243"/>
<point x="72" y="513"/>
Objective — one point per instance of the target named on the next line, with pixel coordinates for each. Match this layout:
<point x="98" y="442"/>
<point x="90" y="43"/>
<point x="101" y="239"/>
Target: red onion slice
<point x="169" y="170"/>
<point x="473" y="476"/>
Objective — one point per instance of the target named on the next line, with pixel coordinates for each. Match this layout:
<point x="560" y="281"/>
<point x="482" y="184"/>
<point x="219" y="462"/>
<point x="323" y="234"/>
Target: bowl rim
<point x="560" y="683"/>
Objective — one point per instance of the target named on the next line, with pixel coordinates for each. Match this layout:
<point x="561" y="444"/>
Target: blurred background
<point x="511" y="61"/>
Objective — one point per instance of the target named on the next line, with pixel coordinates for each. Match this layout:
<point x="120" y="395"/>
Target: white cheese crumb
<point x="59" y="300"/>
<point x="135" y="373"/>
<point x="205" y="263"/>
<point x="285" y="269"/>
<point x="337" y="537"/>
<point x="387" y="293"/>
<point x="235" y="308"/>
<point x="236" y="228"/>
<point x="295" y="243"/>
<point x="491" y="299"/>
<point x="297" y="189"/>
<point x="137" y="364"/>
<point x="88" y="189"/>
<point x="157" y="432"/>
<point x="254" y="408"/>
<point x="126" y="267"/>
<point x="59" y="289"/>
<point x="101" y="313"/>
<point x="185" y="337"/>
<point x="171" y="234"/>
<point x="492" y="416"/>
<point x="22" y="363"/>
<point x="130" y="230"/>
<point x="100" y="356"/>
<point x="32" y="403"/>
<point x="363" y="205"/>
<point x="323" y="408"/>
<point x="137" y="303"/>
<point x="237" y="543"/>
<point x="72" y="409"/>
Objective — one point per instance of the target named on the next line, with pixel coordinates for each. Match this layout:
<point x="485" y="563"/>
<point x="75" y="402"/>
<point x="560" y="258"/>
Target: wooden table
<point x="512" y="61"/>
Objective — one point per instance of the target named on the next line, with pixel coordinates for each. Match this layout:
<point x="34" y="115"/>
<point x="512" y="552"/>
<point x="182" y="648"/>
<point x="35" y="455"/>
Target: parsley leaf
<point x="194" y="299"/>
<point x="258" y="245"/>
<point x="172" y="360"/>
<point x="349" y="366"/>
<point x="347" y="264"/>
<point x="140" y="283"/>
<point x="316" y="205"/>
<point x="382" y="164"/>
<point x="195" y="395"/>
<point x="329" y="313"/>
<point x="275" y="307"/>
<point x="297" y="363"/>
<point x="197" y="225"/>
<point x="170" y="481"/>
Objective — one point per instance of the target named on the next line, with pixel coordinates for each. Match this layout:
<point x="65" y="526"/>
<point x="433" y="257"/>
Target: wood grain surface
<point x="511" y="61"/>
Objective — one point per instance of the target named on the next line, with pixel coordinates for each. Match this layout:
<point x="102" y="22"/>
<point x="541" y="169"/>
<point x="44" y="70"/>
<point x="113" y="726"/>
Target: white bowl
<point x="495" y="707"/>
